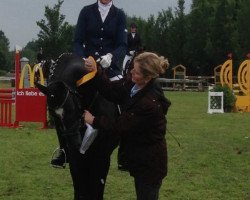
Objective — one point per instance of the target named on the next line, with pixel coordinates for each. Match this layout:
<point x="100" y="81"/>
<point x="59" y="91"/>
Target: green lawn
<point x="212" y="163"/>
<point x="5" y="84"/>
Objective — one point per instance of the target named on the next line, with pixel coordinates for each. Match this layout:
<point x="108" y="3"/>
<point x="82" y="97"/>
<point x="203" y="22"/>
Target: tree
<point x="162" y="30"/>
<point x="198" y="47"/>
<point x="149" y="33"/>
<point x="221" y="33"/>
<point x="4" y="52"/>
<point x="243" y="27"/>
<point x="55" y="36"/>
<point x="31" y="50"/>
<point x="177" y="34"/>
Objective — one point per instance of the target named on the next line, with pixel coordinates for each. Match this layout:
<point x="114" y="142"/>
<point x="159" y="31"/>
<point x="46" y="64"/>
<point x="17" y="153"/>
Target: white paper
<point x="88" y="139"/>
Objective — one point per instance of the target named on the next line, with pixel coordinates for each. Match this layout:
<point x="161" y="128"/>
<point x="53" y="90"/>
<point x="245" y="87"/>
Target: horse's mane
<point x="61" y="61"/>
<point x="68" y="68"/>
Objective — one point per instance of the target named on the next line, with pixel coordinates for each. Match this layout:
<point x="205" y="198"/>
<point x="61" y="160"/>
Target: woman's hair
<point x="151" y="64"/>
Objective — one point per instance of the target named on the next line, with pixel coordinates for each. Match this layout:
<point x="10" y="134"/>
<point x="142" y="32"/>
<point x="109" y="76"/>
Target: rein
<point x="64" y="101"/>
<point x="71" y="131"/>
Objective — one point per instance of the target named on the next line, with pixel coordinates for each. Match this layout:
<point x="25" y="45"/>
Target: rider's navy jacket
<point x="96" y="38"/>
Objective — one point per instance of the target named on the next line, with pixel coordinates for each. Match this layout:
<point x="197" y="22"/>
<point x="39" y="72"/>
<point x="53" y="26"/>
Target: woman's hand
<point x="88" y="117"/>
<point x="89" y="64"/>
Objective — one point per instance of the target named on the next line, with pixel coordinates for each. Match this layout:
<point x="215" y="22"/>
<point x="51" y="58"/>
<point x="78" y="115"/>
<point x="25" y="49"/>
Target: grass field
<point x="213" y="161"/>
<point x="5" y="84"/>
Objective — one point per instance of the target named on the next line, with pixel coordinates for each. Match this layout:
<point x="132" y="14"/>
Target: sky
<point x="18" y="17"/>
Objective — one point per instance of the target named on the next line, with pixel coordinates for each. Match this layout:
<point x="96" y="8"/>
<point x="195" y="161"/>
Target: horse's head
<point x="64" y="105"/>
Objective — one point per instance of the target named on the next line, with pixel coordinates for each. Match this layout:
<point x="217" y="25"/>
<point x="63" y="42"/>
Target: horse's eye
<point x="52" y="96"/>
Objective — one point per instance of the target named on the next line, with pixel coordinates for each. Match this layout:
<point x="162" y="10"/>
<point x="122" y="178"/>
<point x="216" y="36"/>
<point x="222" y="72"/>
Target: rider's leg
<point x="60" y="159"/>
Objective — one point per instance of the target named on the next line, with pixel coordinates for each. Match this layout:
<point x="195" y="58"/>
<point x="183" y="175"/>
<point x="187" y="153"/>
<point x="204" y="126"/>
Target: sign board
<point x="30" y="105"/>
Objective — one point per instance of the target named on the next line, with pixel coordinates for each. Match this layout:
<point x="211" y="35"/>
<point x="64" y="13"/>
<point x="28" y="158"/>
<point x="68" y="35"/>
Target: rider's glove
<point x="132" y="52"/>
<point x="106" y="60"/>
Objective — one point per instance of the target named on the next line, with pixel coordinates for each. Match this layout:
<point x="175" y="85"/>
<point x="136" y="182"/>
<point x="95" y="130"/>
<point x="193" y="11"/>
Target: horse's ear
<point x="42" y="88"/>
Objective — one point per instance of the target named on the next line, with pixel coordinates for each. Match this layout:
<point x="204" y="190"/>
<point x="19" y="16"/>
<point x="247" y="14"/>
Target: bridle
<point x="64" y="101"/>
<point x="76" y="100"/>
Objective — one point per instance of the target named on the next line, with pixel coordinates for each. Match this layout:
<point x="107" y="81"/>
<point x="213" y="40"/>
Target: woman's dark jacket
<point x="142" y="126"/>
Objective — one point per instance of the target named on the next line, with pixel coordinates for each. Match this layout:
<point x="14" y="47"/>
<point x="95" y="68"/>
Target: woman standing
<point x="142" y="123"/>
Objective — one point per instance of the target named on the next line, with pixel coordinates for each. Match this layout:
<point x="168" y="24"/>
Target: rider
<point x="134" y="39"/>
<point x="134" y="44"/>
<point x="101" y="33"/>
<point x="104" y="37"/>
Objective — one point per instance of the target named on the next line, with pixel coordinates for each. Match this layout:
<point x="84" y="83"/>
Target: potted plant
<point x="228" y="96"/>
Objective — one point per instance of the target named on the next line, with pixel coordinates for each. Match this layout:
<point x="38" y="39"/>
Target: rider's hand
<point x="106" y="60"/>
<point x="132" y="52"/>
<point x="88" y="117"/>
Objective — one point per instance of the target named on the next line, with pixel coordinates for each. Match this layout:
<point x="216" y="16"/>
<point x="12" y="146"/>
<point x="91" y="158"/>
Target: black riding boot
<point x="59" y="157"/>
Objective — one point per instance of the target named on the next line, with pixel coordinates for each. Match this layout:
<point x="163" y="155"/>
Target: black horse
<point x="63" y="99"/>
<point x="67" y="102"/>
